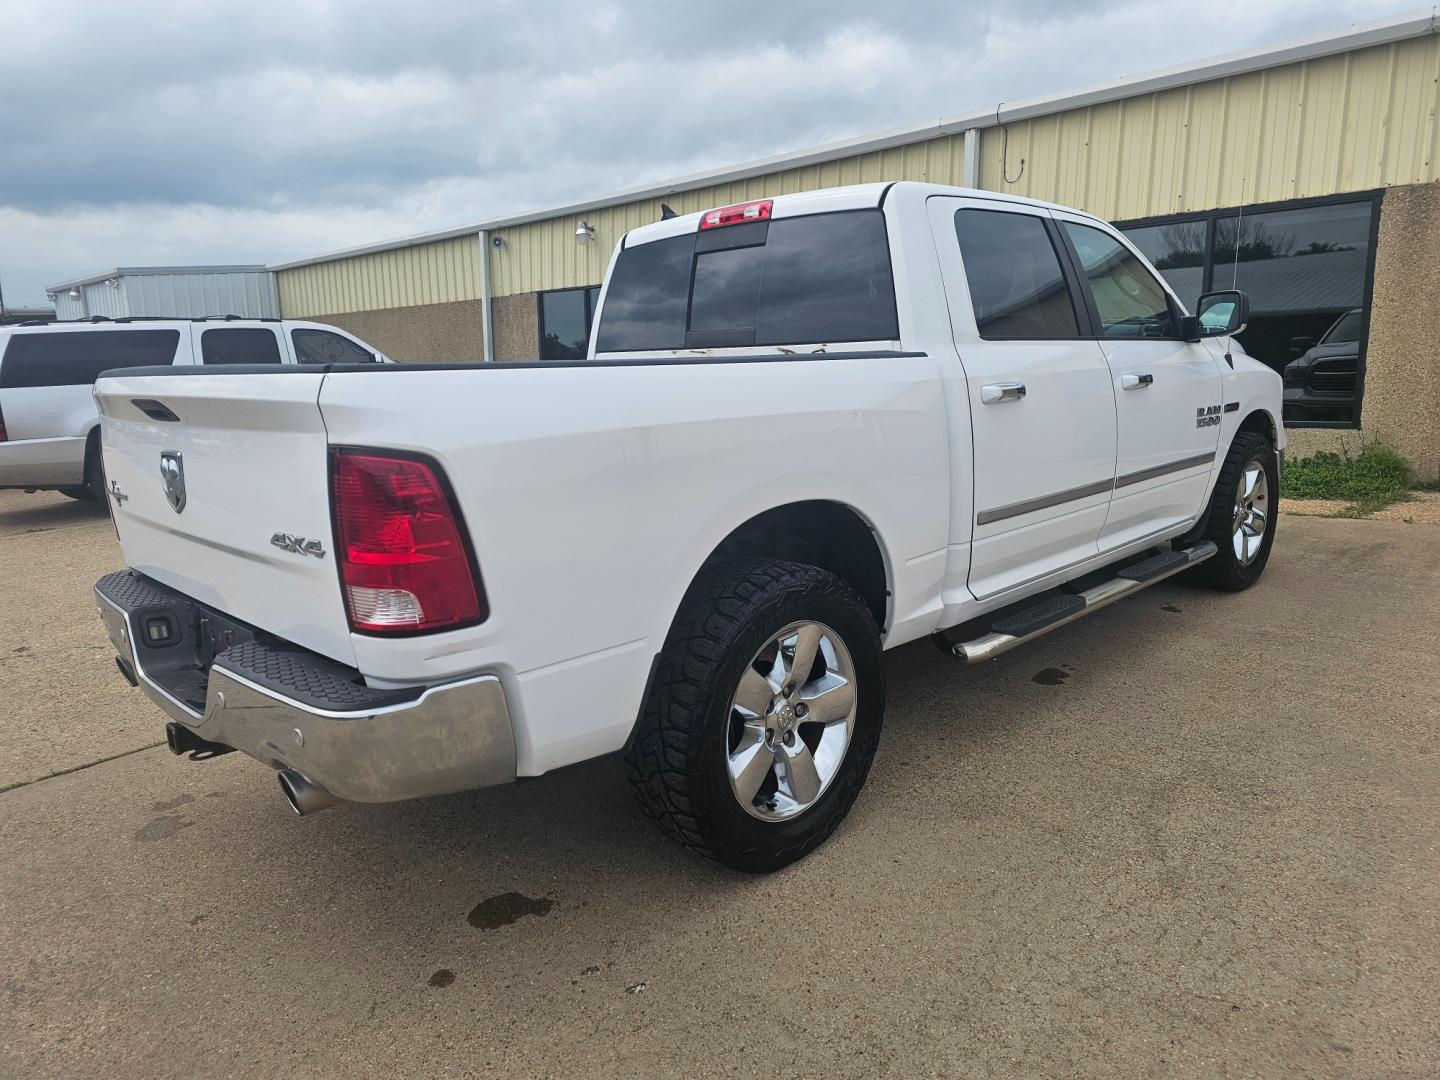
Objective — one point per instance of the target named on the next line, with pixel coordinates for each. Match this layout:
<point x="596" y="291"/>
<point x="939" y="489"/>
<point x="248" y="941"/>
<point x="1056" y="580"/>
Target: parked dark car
<point x="1320" y="384"/>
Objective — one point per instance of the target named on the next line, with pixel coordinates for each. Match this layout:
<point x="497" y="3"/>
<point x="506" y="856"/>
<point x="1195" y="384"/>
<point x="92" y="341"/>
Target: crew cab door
<point x="1038" y="389"/>
<point x="1167" y="391"/>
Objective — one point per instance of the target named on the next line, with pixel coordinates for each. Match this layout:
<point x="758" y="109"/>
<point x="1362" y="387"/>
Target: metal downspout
<point x="486" y="323"/>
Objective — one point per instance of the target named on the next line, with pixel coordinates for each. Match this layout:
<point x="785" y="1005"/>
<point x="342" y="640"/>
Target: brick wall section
<point x="433" y="333"/>
<point x="1401" y="406"/>
<point x="448" y="333"/>
<point x="517" y="326"/>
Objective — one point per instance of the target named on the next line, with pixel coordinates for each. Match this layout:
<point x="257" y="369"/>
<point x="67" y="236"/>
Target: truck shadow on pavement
<point x="541" y="849"/>
<point x="42" y="511"/>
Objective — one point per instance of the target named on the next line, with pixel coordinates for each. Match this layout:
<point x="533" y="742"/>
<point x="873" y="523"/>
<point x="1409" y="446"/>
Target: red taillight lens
<point x="737" y="214"/>
<point x="405" y="566"/>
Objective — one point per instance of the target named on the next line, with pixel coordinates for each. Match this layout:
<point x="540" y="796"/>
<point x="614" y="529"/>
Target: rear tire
<point x="716" y="774"/>
<point x="1243" y="512"/>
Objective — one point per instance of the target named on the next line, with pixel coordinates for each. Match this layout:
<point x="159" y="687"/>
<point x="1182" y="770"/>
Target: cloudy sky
<point x="256" y="131"/>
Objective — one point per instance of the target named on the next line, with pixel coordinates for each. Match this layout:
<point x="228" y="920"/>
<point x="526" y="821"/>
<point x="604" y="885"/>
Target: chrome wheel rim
<point x="791" y="720"/>
<point x="1252" y="513"/>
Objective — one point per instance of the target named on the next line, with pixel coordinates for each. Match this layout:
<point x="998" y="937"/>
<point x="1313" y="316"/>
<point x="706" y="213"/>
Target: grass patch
<point x="1374" y="478"/>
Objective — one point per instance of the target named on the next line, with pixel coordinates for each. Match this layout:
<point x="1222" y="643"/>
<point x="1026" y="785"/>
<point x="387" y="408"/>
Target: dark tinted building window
<point x="324" y="347"/>
<point x="1304" y="267"/>
<point x="565" y="322"/>
<point x="239" y="345"/>
<point x="795" y="281"/>
<point x="1130" y="302"/>
<point x="1013" y="271"/>
<point x="1178" y="252"/>
<point x="75" y="359"/>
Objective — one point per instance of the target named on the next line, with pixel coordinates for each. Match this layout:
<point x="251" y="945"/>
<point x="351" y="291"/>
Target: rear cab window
<point x="77" y="357"/>
<point x="804" y="280"/>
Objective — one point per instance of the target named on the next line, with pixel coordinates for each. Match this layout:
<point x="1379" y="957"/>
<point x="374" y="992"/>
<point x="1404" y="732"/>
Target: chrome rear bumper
<point x="363" y="746"/>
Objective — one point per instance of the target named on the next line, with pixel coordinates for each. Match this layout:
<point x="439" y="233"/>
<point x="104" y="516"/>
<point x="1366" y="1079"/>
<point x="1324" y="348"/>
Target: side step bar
<point x="1053" y="611"/>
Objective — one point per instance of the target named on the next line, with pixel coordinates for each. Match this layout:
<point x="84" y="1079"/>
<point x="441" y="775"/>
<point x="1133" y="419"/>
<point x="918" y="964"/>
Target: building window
<point x="1307" y="267"/>
<point x="565" y="317"/>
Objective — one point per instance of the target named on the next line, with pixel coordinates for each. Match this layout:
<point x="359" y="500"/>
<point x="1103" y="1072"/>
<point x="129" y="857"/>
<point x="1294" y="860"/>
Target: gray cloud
<point x="166" y="133"/>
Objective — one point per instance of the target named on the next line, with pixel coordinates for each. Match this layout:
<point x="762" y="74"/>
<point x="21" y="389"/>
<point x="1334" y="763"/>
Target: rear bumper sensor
<point x="1045" y="615"/>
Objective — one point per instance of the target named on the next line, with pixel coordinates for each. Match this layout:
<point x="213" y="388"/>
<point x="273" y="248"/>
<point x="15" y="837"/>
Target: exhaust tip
<point x="304" y="796"/>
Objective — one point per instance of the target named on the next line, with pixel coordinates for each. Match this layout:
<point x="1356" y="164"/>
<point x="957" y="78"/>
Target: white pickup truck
<point x="809" y="428"/>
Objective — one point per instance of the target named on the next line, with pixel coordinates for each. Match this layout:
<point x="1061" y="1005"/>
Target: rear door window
<point x="239" y="345"/>
<point x="1013" y="271"/>
<point x="792" y="281"/>
<point x="76" y="358"/>
<point x="326" y="347"/>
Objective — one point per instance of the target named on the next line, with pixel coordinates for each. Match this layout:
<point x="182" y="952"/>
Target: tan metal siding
<point x="435" y="273"/>
<point x="1350" y="122"/>
<point x="1362" y="120"/>
<point x="544" y="255"/>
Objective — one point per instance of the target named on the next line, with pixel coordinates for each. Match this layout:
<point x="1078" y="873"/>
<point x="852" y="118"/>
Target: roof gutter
<point x="1358" y="36"/>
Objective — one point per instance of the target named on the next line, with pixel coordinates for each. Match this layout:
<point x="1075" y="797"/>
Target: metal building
<point x="177" y="291"/>
<point x="1308" y="172"/>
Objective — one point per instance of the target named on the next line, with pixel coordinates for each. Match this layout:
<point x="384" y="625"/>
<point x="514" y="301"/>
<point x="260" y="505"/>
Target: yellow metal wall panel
<point x="1352" y="122"/>
<point x="438" y="272"/>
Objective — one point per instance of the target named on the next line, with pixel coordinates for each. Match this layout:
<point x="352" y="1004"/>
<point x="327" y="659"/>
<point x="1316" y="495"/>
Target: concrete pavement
<point x="1193" y="835"/>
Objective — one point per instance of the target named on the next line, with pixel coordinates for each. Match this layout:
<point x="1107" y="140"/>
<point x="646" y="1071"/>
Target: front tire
<point x="1243" y="512"/>
<point x="764" y="715"/>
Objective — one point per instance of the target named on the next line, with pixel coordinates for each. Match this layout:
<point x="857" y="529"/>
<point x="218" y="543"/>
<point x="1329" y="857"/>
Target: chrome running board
<point x="1057" y="610"/>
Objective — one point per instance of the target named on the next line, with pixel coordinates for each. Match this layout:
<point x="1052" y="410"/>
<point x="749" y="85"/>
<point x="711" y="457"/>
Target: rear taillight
<point x="3" y="436"/>
<point x="405" y="564"/>
<point x="737" y="214"/>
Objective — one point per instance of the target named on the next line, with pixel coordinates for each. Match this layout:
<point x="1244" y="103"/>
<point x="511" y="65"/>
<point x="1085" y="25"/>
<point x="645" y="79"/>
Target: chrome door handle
<point x="993" y="393"/>
<point x="1136" y="380"/>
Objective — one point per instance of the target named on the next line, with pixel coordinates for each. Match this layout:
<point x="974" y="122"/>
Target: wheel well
<point x="1262" y="423"/>
<point x="824" y="534"/>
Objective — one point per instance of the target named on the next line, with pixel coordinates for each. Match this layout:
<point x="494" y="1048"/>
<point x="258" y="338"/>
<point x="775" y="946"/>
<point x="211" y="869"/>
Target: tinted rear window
<point x="75" y="359"/>
<point x="239" y="345"/>
<point x="793" y="281"/>
<point x="1013" y="271"/>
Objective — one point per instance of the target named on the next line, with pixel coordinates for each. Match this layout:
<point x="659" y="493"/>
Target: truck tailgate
<point x="250" y="535"/>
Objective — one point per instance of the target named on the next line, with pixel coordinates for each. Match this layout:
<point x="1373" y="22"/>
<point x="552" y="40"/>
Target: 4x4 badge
<point x="172" y="471"/>
<point x="298" y="544"/>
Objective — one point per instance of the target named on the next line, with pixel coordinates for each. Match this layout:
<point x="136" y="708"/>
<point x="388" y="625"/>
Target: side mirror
<point x="1302" y="344"/>
<point x="1220" y="313"/>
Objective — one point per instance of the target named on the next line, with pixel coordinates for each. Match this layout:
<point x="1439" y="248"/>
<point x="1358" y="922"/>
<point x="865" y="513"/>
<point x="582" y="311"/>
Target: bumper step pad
<point x="312" y="680"/>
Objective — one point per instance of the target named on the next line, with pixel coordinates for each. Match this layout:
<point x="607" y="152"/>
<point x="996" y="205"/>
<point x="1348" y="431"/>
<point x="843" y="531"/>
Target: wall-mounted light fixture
<point x="74" y="294"/>
<point x="113" y="282"/>
<point x="49" y="297"/>
<point x="584" y="232"/>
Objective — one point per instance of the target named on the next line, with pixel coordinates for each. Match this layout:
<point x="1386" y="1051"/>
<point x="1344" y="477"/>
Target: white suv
<point x="49" y="429"/>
